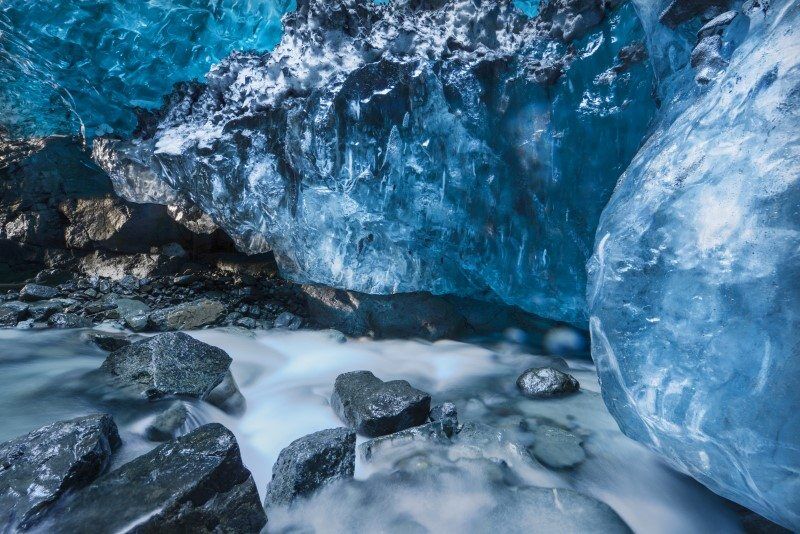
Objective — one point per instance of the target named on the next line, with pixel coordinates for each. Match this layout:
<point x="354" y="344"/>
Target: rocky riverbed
<point x="455" y="443"/>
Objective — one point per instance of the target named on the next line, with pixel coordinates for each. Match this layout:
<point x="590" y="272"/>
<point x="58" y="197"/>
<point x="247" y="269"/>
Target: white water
<point x="287" y="379"/>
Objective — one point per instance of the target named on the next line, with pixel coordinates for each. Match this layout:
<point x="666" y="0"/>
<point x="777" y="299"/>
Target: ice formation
<point x="694" y="290"/>
<point x="457" y="147"/>
<point x="72" y="66"/>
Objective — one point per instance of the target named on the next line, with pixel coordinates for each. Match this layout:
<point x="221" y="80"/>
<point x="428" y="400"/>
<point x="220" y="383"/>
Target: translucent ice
<point x="68" y="66"/>
<point x="456" y="147"/>
<point x="695" y="281"/>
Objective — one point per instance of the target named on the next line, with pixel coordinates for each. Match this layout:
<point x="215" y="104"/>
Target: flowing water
<point x="287" y="379"/>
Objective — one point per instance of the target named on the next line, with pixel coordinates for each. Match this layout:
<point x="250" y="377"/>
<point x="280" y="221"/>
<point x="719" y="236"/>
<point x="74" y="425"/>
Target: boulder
<point x="39" y="468"/>
<point x="544" y="382"/>
<point x="196" y="483"/>
<point x="557" y="448"/>
<point x="11" y="314"/>
<point x="310" y="463"/>
<point x="187" y="316"/>
<point x="36" y="292"/>
<point x="227" y="397"/>
<point x="168" y="364"/>
<point x="166" y="424"/>
<point x="376" y="408"/>
<point x="108" y="341"/>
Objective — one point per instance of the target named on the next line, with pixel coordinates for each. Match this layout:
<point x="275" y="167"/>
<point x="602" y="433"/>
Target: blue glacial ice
<point x="694" y="290"/>
<point x="456" y="147"/>
<point x="79" y="67"/>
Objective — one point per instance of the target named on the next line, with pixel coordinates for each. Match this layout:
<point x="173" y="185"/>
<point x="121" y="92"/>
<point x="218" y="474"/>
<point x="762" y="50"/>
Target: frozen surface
<point x="453" y="147"/>
<point x="694" y="293"/>
<point x="68" y="66"/>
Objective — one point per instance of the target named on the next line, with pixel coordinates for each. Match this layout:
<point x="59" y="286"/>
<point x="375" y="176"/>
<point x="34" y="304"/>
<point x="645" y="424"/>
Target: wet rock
<point x="39" y="468"/>
<point x="187" y="316"/>
<point x="544" y="382"/>
<point x="447" y="414"/>
<point x="310" y="463"/>
<point x="196" y="483"/>
<point x="69" y="320"/>
<point x="36" y="292"/>
<point x="557" y="448"/>
<point x="168" y="364"/>
<point x="376" y="408"/>
<point x="166" y="424"/>
<point x="128" y="308"/>
<point x="437" y="432"/>
<point x="227" y="397"/>
<point x="680" y="11"/>
<point x="108" y="341"/>
<point x="42" y="310"/>
<point x="288" y="321"/>
<point x="11" y="314"/>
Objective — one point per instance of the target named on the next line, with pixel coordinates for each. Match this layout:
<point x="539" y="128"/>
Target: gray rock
<point x="680" y="11"/>
<point x="544" y="382"/>
<point x="557" y="448"/>
<point x="310" y="463"/>
<point x="11" y="314"/>
<point x="376" y="408"/>
<point x="436" y="432"/>
<point x="35" y="292"/>
<point x="196" y="483"/>
<point x="69" y="320"/>
<point x="227" y="397"/>
<point x="108" y="341"/>
<point x="42" y="310"/>
<point x="188" y="316"/>
<point x="288" y="321"/>
<point x="166" y="424"/>
<point x="168" y="364"/>
<point x="39" y="468"/>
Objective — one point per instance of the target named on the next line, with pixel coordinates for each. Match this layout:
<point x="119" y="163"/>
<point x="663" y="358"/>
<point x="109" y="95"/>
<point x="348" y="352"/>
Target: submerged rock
<point x="167" y="423"/>
<point x="311" y="462"/>
<point x="38" y="469"/>
<point x="196" y="483"/>
<point x="227" y="397"/>
<point x="431" y="433"/>
<point x="376" y="408"/>
<point x="108" y="341"/>
<point x="557" y="448"/>
<point x="544" y="382"/>
<point x="168" y="364"/>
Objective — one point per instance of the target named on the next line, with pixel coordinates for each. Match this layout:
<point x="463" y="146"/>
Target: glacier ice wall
<point x="694" y="287"/>
<point x="74" y="67"/>
<point x="450" y="146"/>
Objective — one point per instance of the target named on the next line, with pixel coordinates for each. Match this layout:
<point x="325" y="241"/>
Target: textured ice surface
<point x="695" y="282"/>
<point x="69" y="64"/>
<point x="454" y="147"/>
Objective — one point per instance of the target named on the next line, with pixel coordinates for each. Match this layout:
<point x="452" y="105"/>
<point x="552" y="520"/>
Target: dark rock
<point x="166" y="424"/>
<point x="39" y="468"/>
<point x="557" y="448"/>
<point x="196" y="483"/>
<point x="35" y="292"/>
<point x="376" y="408"/>
<point x="310" y="463"/>
<point x="187" y="316"/>
<point x="69" y="320"/>
<point x="288" y="321"/>
<point x="227" y="397"/>
<point x="169" y="364"/>
<point x="447" y="414"/>
<point x="11" y="313"/>
<point x="680" y="11"/>
<point x="436" y="432"/>
<point x="108" y="341"/>
<point x="42" y="310"/>
<point x="543" y="382"/>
